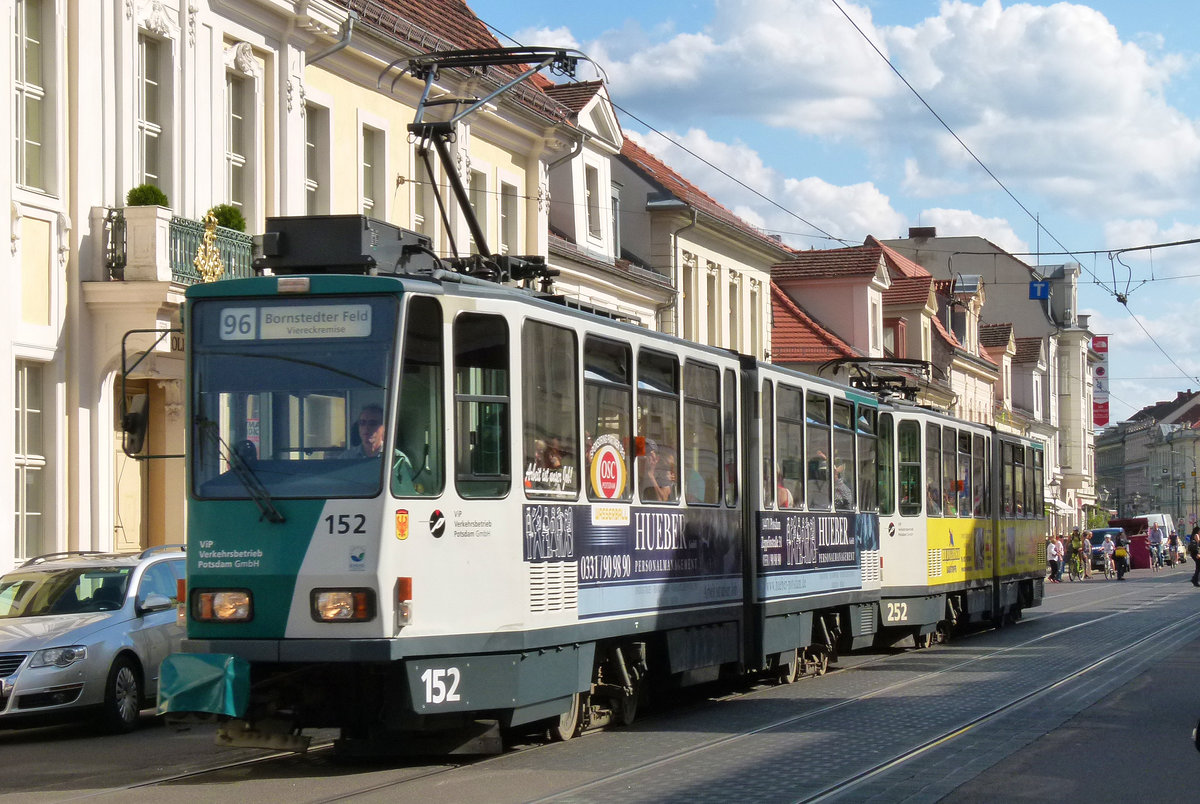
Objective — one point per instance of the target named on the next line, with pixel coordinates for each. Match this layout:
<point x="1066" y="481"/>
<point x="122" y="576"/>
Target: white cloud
<point x="1049" y="97"/>
<point x="850" y="212"/>
<point x="964" y="223"/>
<point x="547" y="37"/>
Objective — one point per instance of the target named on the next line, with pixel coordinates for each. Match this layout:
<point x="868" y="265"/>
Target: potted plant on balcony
<point x="229" y="216"/>
<point x="147" y="221"/>
<point x="146" y="195"/>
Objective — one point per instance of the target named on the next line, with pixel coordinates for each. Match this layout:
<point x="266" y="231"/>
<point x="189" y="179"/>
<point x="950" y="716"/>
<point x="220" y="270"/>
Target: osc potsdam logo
<point x="606" y="467"/>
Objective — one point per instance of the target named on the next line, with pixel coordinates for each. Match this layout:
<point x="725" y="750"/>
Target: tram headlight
<point x="226" y="606"/>
<point x="343" y="605"/>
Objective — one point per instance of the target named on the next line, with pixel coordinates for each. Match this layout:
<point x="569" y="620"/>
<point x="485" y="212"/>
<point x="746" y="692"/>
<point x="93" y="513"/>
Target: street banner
<point x="1100" y="382"/>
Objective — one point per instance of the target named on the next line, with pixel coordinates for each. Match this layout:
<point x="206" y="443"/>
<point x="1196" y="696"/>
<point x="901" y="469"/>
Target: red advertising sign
<point x="1099" y="414"/>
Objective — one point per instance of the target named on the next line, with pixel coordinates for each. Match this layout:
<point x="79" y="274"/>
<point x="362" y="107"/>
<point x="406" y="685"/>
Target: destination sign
<point x="288" y="322"/>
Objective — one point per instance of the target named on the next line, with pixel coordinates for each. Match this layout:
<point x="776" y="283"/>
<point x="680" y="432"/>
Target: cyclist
<point x="1107" y="548"/>
<point x="1155" y="542"/>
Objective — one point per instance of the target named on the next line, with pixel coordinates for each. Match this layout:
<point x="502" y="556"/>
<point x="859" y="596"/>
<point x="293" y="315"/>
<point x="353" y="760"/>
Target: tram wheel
<point x="788" y="670"/>
<point x="567" y="725"/>
<point x="625" y="708"/>
<point x="821" y="664"/>
<point x="924" y="640"/>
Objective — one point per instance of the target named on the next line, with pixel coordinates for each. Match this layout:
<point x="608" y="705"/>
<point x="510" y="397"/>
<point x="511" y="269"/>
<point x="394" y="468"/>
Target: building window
<point x="592" y="180"/>
<point x="714" y="311"/>
<point x="238" y="128"/>
<point x="31" y="105"/>
<point x="151" y="115"/>
<point x="30" y="459"/>
<point x="372" y="170"/>
<point x="424" y="202"/>
<point x="316" y="160"/>
<point x="478" y="198"/>
<point x="735" y="313"/>
<point x="508" y="218"/>
<point x="616" y="221"/>
<point x="873" y="324"/>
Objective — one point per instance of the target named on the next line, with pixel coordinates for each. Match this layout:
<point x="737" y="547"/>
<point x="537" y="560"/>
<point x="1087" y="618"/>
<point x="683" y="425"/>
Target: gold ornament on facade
<point x="208" y="258"/>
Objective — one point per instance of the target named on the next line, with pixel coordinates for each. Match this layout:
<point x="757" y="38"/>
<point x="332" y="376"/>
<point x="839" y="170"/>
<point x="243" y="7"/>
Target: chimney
<point x="922" y="232"/>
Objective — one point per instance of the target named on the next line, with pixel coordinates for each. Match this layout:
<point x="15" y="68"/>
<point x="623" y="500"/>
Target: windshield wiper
<point x="242" y="471"/>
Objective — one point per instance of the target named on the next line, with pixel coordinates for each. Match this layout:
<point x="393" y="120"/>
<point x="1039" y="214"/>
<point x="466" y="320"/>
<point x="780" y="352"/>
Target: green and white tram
<point x="960" y="519"/>
<point x="419" y="501"/>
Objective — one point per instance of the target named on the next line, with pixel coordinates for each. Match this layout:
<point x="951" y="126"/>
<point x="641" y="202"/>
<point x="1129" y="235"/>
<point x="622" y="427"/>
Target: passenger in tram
<point x="932" y="503"/>
<point x="843" y="495"/>
<point x="652" y="488"/>
<point x="786" y="500"/>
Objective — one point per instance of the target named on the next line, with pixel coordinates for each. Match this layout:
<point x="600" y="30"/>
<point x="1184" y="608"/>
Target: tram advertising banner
<point x="634" y="559"/>
<point x="809" y="553"/>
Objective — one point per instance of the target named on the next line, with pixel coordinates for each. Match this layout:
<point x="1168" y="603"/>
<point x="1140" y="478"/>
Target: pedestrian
<point x="1193" y="551"/>
<point x="1121" y="555"/>
<point x="1062" y="555"/>
<point x="1052" y="556"/>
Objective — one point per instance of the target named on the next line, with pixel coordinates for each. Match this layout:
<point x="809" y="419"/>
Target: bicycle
<point x="1110" y="569"/>
<point x="1075" y="568"/>
<point x="1155" y="557"/>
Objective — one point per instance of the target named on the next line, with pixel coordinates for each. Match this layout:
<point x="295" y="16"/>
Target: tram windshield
<point x="289" y="396"/>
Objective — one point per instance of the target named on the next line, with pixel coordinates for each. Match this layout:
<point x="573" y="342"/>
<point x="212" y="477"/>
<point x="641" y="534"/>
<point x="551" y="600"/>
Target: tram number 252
<point x="441" y="685"/>
<point x="897" y="612"/>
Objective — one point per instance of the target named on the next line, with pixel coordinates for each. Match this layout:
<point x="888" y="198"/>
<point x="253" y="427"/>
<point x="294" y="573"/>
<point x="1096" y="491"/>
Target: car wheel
<point x="122" y="697"/>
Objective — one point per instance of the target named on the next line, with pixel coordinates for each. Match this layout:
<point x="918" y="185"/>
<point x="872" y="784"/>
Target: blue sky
<point x="1088" y="113"/>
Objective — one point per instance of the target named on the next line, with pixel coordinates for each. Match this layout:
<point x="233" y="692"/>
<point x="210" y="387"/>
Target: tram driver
<point x="371" y="439"/>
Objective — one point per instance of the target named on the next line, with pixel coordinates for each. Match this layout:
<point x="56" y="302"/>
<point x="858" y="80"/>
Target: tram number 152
<point x="897" y="612"/>
<point x="441" y="685"/>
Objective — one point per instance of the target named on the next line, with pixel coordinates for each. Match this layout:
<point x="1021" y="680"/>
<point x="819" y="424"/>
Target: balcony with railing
<point x="151" y="244"/>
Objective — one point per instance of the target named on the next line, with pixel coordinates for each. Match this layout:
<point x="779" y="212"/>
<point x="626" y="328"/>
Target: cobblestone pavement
<point x="800" y="742"/>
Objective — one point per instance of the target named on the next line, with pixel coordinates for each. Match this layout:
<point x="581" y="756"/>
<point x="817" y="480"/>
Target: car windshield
<point x="36" y="593"/>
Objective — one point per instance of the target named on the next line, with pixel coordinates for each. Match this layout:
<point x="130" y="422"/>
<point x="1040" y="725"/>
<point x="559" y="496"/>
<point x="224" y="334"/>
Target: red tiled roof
<point x="829" y="263"/>
<point x="908" y="290"/>
<point x="1029" y="350"/>
<point x="574" y="96"/>
<point x="994" y="335"/>
<point x="946" y="334"/>
<point x="657" y="171"/>
<point x="797" y="337"/>
<point x="897" y="262"/>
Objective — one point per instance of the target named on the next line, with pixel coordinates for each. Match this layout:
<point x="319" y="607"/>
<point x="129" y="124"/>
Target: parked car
<point x="85" y="633"/>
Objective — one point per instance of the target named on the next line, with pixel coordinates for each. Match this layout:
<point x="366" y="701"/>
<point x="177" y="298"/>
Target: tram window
<point x="729" y="437"/>
<point x="1009" y="506"/>
<point x="1039" y="488"/>
<point x="420" y="422"/>
<point x="1030" y="495"/>
<point x="844" y="467"/>
<point x="481" y="405"/>
<point x="867" y="458"/>
<point x="979" y="470"/>
<point x="886" y="466"/>
<point x="607" y="418"/>
<point x="789" y="450"/>
<point x="658" y="424"/>
<point x="949" y="472"/>
<point x="933" y="469"/>
<point x="701" y="424"/>
<point x="550" y="389"/>
<point x="964" y="473"/>
<point x="908" y="448"/>
<point x="1019" y="478"/>
<point x="767" y="440"/>
<point x="818" y="435"/>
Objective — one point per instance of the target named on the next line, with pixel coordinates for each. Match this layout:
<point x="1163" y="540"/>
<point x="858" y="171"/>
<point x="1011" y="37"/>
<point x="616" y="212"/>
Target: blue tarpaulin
<point x="204" y="682"/>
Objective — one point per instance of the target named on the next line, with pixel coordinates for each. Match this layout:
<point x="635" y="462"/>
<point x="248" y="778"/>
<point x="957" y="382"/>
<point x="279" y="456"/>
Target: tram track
<point x="415" y="774"/>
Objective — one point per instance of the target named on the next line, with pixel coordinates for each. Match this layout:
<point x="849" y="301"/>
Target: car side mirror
<point x="154" y="602"/>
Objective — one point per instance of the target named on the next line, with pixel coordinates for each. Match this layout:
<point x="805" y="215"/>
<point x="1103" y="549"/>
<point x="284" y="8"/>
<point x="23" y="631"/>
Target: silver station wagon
<point x="85" y="633"/>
